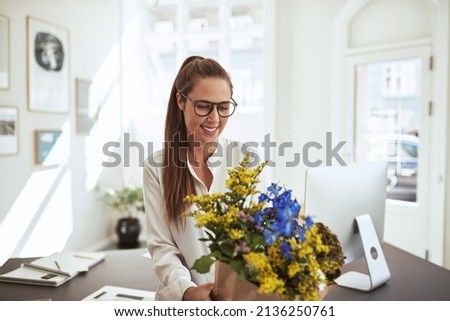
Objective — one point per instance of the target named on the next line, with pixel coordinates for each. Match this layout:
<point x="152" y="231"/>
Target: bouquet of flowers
<point x="264" y="239"/>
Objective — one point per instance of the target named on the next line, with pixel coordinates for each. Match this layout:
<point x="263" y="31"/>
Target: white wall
<point x="303" y="81"/>
<point x="54" y="208"/>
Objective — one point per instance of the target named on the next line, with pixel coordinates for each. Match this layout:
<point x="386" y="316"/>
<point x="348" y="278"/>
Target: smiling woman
<point x="193" y="164"/>
<point x="203" y="123"/>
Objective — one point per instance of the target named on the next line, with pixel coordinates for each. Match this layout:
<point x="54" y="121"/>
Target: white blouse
<point x="175" y="249"/>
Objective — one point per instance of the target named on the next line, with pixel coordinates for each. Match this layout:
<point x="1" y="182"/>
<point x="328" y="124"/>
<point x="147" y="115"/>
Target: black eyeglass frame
<point x="195" y="102"/>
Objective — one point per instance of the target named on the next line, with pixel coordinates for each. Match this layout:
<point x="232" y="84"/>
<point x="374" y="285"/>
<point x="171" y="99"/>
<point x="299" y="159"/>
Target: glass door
<point x="391" y="106"/>
<point x="388" y="121"/>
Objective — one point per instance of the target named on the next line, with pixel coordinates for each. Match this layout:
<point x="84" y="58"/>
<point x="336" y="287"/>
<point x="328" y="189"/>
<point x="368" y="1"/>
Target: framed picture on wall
<point x="49" y="147"/>
<point x="9" y="142"/>
<point x="4" y="52"/>
<point x="48" y="67"/>
<point x="86" y="105"/>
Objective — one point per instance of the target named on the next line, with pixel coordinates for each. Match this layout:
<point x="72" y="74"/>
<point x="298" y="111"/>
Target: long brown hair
<point x="177" y="180"/>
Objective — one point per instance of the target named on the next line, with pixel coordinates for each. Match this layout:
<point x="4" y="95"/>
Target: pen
<point x="57" y="265"/>
<point x="99" y="295"/>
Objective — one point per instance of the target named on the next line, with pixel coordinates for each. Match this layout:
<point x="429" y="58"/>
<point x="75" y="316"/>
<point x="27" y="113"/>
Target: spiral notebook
<point x="53" y="270"/>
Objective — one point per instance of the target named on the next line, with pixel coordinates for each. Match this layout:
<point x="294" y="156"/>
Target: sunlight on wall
<point x="55" y="224"/>
<point x="136" y="102"/>
<point x="25" y="210"/>
<point x="36" y="202"/>
<point x="106" y="89"/>
<point x="114" y="119"/>
<point x="106" y="129"/>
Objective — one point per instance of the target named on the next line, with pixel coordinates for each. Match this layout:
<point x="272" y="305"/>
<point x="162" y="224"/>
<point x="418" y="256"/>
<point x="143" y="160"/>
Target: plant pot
<point x="128" y="230"/>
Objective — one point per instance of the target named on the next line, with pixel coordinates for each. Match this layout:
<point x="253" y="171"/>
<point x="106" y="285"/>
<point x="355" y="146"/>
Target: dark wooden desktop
<point x="412" y="279"/>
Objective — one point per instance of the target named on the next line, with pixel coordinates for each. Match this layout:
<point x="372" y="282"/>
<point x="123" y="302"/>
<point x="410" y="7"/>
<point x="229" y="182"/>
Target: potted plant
<point x="129" y="202"/>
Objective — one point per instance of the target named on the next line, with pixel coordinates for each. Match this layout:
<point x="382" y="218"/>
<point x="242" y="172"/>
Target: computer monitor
<point x="351" y="201"/>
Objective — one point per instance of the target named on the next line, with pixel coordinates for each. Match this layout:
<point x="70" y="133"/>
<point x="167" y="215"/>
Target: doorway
<point x="392" y="95"/>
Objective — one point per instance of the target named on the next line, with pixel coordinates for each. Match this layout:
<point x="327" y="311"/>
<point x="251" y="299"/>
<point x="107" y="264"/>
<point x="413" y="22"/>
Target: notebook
<point x="53" y="270"/>
<point x="116" y="293"/>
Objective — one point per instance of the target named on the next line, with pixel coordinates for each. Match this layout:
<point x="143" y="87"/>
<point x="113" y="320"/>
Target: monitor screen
<point x="335" y="195"/>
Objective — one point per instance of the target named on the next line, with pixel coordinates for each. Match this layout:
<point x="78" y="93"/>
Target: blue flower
<point x="309" y="222"/>
<point x="269" y="236"/>
<point x="295" y="207"/>
<point x="259" y="218"/>
<point x="274" y="189"/>
<point x="301" y="233"/>
<point x="281" y="219"/>
<point x="286" y="249"/>
<point x="262" y="197"/>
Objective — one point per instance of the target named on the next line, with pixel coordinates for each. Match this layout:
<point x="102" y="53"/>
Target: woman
<point x="194" y="161"/>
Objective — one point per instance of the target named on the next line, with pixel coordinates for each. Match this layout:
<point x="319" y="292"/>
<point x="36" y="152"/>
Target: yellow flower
<point x="231" y="182"/>
<point x="205" y="218"/>
<point x="270" y="283"/>
<point x="229" y="217"/>
<point x="293" y="269"/>
<point x="236" y="234"/>
<point x="257" y="260"/>
<point x="275" y="255"/>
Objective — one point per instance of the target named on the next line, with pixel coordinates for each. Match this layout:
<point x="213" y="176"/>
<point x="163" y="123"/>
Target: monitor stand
<point x="376" y="263"/>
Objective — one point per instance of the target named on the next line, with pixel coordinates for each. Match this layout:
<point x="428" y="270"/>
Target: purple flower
<point x="242" y="247"/>
<point x="245" y="218"/>
<point x="259" y="228"/>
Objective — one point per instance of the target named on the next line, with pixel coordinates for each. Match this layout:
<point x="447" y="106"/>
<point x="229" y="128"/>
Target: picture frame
<point x="49" y="148"/>
<point x="4" y="52"/>
<point x="87" y="107"/>
<point x="47" y="67"/>
<point x="9" y="137"/>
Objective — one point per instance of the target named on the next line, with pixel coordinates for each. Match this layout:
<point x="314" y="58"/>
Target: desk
<point x="125" y="268"/>
<point x="412" y="279"/>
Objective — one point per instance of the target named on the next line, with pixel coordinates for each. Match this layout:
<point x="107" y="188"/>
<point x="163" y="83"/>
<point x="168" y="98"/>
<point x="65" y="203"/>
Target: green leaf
<point x="214" y="247"/>
<point x="236" y="265"/>
<point x="203" y="264"/>
<point x="227" y="248"/>
<point x="257" y="242"/>
<point x="217" y="254"/>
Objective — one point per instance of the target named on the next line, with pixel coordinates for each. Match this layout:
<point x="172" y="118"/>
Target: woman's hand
<point x="198" y="293"/>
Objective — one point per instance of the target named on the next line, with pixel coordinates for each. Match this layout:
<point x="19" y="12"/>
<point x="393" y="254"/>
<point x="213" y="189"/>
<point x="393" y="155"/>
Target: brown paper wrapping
<point x="229" y="287"/>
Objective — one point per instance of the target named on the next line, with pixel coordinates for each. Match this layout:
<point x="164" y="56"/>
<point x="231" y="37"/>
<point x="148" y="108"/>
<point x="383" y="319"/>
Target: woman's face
<point x="205" y="129"/>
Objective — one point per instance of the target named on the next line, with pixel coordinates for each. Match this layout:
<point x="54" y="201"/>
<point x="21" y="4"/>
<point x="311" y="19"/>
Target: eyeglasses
<point x="203" y="108"/>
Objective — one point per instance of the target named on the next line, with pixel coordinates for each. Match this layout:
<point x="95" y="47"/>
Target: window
<point x="231" y="32"/>
<point x="387" y="109"/>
